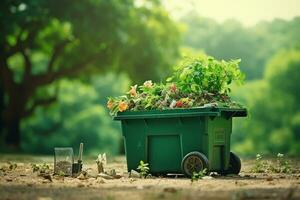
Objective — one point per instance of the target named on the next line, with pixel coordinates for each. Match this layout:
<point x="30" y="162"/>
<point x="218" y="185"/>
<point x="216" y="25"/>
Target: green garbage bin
<point x="181" y="140"/>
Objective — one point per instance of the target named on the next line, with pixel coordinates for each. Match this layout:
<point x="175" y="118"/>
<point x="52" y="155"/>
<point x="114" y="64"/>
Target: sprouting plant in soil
<point x="281" y="165"/>
<point x="101" y="162"/>
<point x="43" y="168"/>
<point x="260" y="166"/>
<point x="198" y="175"/>
<point x="143" y="168"/>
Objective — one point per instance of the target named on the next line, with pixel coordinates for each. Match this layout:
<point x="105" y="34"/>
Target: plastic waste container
<point x="181" y="140"/>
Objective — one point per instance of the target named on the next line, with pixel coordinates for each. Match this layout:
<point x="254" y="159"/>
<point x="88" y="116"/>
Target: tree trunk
<point x="12" y="130"/>
<point x="1" y="109"/>
<point x="12" y="116"/>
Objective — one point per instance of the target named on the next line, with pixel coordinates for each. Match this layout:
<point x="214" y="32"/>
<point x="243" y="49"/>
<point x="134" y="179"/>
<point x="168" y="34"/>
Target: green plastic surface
<point x="163" y="138"/>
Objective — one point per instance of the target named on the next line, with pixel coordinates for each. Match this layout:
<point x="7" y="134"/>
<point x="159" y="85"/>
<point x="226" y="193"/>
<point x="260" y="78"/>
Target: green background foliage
<point x="77" y="53"/>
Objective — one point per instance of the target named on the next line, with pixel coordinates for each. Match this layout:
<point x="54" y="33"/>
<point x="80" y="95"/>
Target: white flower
<point x="258" y="156"/>
<point x="280" y="155"/>
<point x="173" y="104"/>
<point x="148" y="84"/>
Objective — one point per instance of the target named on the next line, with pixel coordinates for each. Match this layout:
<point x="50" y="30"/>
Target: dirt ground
<point x="22" y="183"/>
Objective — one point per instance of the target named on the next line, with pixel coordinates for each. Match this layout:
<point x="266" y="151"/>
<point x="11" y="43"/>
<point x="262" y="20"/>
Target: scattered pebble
<point x="105" y="176"/>
<point x="91" y="179"/>
<point x="44" y="198"/>
<point x="92" y="174"/>
<point x="139" y="187"/>
<point x="9" y="179"/>
<point x="117" y="176"/>
<point x="112" y="172"/>
<point x="131" y="180"/>
<point x="80" y="185"/>
<point x="134" y="174"/>
<point x="233" y="175"/>
<point x="46" y="176"/>
<point x="207" y="177"/>
<point x="45" y="181"/>
<point x="100" y="180"/>
<point x="81" y="176"/>
<point x="170" y="189"/>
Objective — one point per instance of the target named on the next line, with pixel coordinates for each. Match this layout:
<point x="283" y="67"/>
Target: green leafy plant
<point x="9" y="167"/>
<point x="194" y="83"/>
<point x="43" y="168"/>
<point x="260" y="166"/>
<point x="61" y="174"/>
<point x="281" y="165"/>
<point x="12" y="166"/>
<point x="35" y="168"/>
<point x="143" y="169"/>
<point x="196" y="176"/>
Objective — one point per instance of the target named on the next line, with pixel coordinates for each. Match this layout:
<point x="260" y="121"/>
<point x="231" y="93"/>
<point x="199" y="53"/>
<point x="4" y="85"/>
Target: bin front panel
<point x="164" y="153"/>
<point x="194" y="137"/>
<point x="135" y="142"/>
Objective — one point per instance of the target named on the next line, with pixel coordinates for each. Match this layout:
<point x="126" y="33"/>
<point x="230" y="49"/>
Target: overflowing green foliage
<point x="143" y="168"/>
<point x="200" y="75"/>
<point x="195" y="82"/>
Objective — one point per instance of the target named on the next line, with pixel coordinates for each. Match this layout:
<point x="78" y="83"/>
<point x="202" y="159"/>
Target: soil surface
<point x="18" y="181"/>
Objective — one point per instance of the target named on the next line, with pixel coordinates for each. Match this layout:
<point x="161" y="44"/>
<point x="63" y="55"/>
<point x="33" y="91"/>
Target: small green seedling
<point x="282" y="165"/>
<point x="61" y="174"/>
<point x="35" y="168"/>
<point x="44" y="168"/>
<point x="260" y="166"/>
<point x="12" y="166"/>
<point x="196" y="176"/>
<point x="144" y="169"/>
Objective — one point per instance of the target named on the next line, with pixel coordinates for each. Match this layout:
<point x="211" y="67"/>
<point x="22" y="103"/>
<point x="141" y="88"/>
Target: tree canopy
<point x="44" y="41"/>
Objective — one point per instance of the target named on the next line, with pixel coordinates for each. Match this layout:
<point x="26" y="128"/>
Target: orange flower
<point x="123" y="106"/>
<point x="132" y="91"/>
<point x="110" y="104"/>
<point x="179" y="104"/>
<point x="148" y="84"/>
<point x="173" y="88"/>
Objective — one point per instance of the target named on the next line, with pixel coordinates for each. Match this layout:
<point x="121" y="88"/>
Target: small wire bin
<point x="63" y="161"/>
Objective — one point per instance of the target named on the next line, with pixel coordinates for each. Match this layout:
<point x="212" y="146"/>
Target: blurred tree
<point x="273" y="124"/>
<point x="229" y="40"/>
<point x="79" y="116"/>
<point x="254" y="45"/>
<point x="43" y="41"/>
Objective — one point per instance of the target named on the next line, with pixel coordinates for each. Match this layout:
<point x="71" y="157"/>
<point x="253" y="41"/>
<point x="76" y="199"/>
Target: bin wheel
<point x="234" y="164"/>
<point x="194" y="162"/>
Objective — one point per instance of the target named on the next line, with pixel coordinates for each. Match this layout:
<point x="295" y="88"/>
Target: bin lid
<point x="180" y="112"/>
